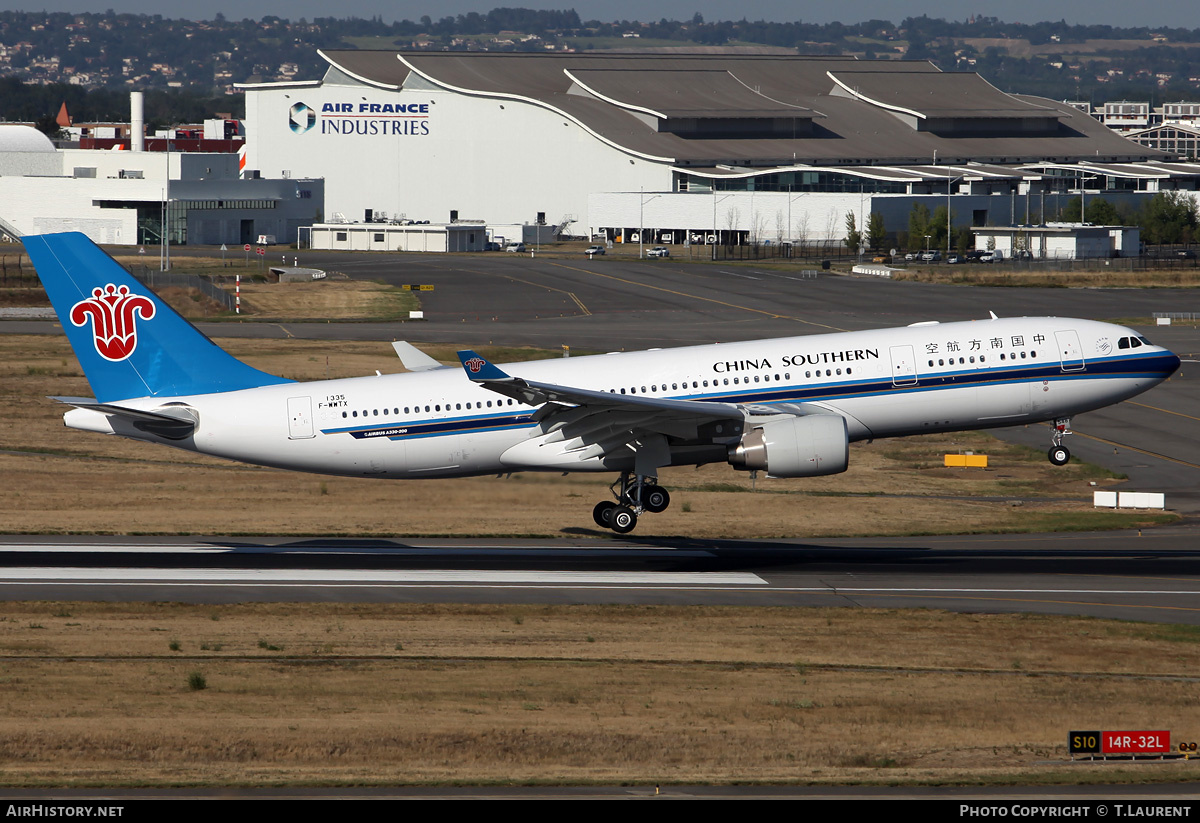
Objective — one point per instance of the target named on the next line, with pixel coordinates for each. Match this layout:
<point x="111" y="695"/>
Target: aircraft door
<point x="300" y="422"/>
<point x="904" y="366"/>
<point x="1070" y="353"/>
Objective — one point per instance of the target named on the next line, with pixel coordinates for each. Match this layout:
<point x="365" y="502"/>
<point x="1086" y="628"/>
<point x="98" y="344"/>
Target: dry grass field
<point x="985" y="275"/>
<point x="167" y="694"/>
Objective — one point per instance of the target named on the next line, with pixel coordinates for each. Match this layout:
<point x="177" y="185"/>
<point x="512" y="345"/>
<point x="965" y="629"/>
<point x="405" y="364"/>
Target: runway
<point x="1154" y="576"/>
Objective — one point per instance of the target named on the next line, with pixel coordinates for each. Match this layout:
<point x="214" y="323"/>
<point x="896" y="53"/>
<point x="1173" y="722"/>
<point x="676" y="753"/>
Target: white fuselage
<point x="885" y="383"/>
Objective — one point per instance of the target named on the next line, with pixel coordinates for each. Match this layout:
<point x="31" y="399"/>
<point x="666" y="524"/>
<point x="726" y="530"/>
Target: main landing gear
<point x="639" y="494"/>
<point x="1059" y="454"/>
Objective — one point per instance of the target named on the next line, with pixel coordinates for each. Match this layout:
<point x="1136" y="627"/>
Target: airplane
<point x="789" y="407"/>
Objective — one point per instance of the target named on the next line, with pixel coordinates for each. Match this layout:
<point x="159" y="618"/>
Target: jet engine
<point x="808" y="446"/>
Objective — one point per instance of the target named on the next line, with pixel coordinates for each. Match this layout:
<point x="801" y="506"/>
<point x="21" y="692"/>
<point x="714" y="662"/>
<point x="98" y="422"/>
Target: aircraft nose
<point x="1172" y="364"/>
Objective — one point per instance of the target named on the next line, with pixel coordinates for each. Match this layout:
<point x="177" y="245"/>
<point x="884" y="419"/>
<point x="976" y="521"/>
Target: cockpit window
<point x="1133" y="342"/>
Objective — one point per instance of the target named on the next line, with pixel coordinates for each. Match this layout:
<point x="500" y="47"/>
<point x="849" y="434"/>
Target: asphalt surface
<point x="1153" y="576"/>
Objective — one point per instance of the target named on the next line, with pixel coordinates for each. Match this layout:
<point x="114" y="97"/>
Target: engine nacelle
<point x="808" y="446"/>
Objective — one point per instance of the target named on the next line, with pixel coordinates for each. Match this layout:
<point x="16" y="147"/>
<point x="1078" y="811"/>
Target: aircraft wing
<point x="534" y="393"/>
<point x="583" y="425"/>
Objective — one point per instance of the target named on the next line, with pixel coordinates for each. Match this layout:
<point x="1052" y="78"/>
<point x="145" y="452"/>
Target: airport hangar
<point x="695" y="149"/>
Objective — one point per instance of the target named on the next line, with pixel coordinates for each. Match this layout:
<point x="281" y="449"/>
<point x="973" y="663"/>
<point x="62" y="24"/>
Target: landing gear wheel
<point x="655" y="499"/>
<point x="1059" y="455"/>
<point x="622" y="519"/>
<point x="602" y="514"/>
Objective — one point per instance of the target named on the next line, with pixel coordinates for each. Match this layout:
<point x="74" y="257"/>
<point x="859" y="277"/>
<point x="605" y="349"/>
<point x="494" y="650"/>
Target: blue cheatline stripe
<point x="1145" y="365"/>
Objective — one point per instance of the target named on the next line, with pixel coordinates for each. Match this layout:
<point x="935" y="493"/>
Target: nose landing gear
<point x="1059" y="454"/>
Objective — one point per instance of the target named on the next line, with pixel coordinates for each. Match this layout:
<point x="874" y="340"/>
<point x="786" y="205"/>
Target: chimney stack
<point x="137" y="122"/>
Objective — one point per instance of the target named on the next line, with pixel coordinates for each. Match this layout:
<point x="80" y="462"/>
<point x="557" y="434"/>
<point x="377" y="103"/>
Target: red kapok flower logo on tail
<point x="112" y="310"/>
<point x="475" y="364"/>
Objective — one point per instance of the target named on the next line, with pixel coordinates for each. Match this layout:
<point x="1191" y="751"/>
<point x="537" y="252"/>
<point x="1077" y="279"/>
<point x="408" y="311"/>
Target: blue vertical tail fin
<point x="128" y="341"/>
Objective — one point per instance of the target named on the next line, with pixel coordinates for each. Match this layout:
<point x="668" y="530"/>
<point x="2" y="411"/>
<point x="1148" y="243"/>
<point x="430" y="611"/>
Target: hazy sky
<point x="1183" y="13"/>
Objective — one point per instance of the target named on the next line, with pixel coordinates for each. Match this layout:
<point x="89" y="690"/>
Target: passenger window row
<point x="983" y="358"/>
<point x="696" y="384"/>
<point x="436" y="408"/>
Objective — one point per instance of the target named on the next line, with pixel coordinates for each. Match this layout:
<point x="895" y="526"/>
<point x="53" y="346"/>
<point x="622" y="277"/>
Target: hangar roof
<point x="683" y="92"/>
<point x="766" y="111"/>
<point x="940" y="95"/>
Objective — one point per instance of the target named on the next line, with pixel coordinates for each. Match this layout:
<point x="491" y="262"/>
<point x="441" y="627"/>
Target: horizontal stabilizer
<point x="173" y="422"/>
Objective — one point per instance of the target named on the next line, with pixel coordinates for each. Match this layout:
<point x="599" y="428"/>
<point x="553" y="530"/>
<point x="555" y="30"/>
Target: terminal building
<point x="684" y="149"/>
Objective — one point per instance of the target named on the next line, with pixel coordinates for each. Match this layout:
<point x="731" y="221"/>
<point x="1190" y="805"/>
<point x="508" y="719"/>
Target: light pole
<point x="716" y="234"/>
<point x="791" y="200"/>
<point x="948" y="229"/>
<point x="642" y="201"/>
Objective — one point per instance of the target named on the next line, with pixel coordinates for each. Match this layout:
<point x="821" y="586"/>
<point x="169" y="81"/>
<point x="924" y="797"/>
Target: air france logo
<point x="301" y="118"/>
<point x="112" y="311"/>
<point x="475" y="364"/>
<point x="378" y="119"/>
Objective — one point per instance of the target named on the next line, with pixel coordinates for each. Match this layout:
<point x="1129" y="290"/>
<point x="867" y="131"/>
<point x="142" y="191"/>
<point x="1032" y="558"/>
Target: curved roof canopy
<point x="761" y="111"/>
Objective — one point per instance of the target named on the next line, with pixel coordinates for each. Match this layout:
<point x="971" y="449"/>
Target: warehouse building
<point x="127" y="197"/>
<point x="683" y="149"/>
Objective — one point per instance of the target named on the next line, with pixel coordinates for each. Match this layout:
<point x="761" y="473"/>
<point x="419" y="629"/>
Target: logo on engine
<point x="112" y="311"/>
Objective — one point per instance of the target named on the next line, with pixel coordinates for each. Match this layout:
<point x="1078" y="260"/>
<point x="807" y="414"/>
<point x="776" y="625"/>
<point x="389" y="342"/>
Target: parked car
<point x="590" y="250"/>
<point x="491" y="247"/>
<point x="1186" y="254"/>
<point x="881" y="258"/>
<point x="931" y="256"/>
<point x="954" y="258"/>
<point x="659" y="251"/>
<point x="988" y="257"/>
<point x="515" y="247"/>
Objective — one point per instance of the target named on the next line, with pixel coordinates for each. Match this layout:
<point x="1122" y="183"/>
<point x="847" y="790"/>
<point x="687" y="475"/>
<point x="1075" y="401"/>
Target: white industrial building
<point x="126" y="197"/>
<point x="1060" y="241"/>
<point x="698" y="149"/>
<point x="423" y="237"/>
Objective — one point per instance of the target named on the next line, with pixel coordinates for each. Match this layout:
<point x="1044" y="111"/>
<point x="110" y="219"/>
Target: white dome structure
<point x="23" y="139"/>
